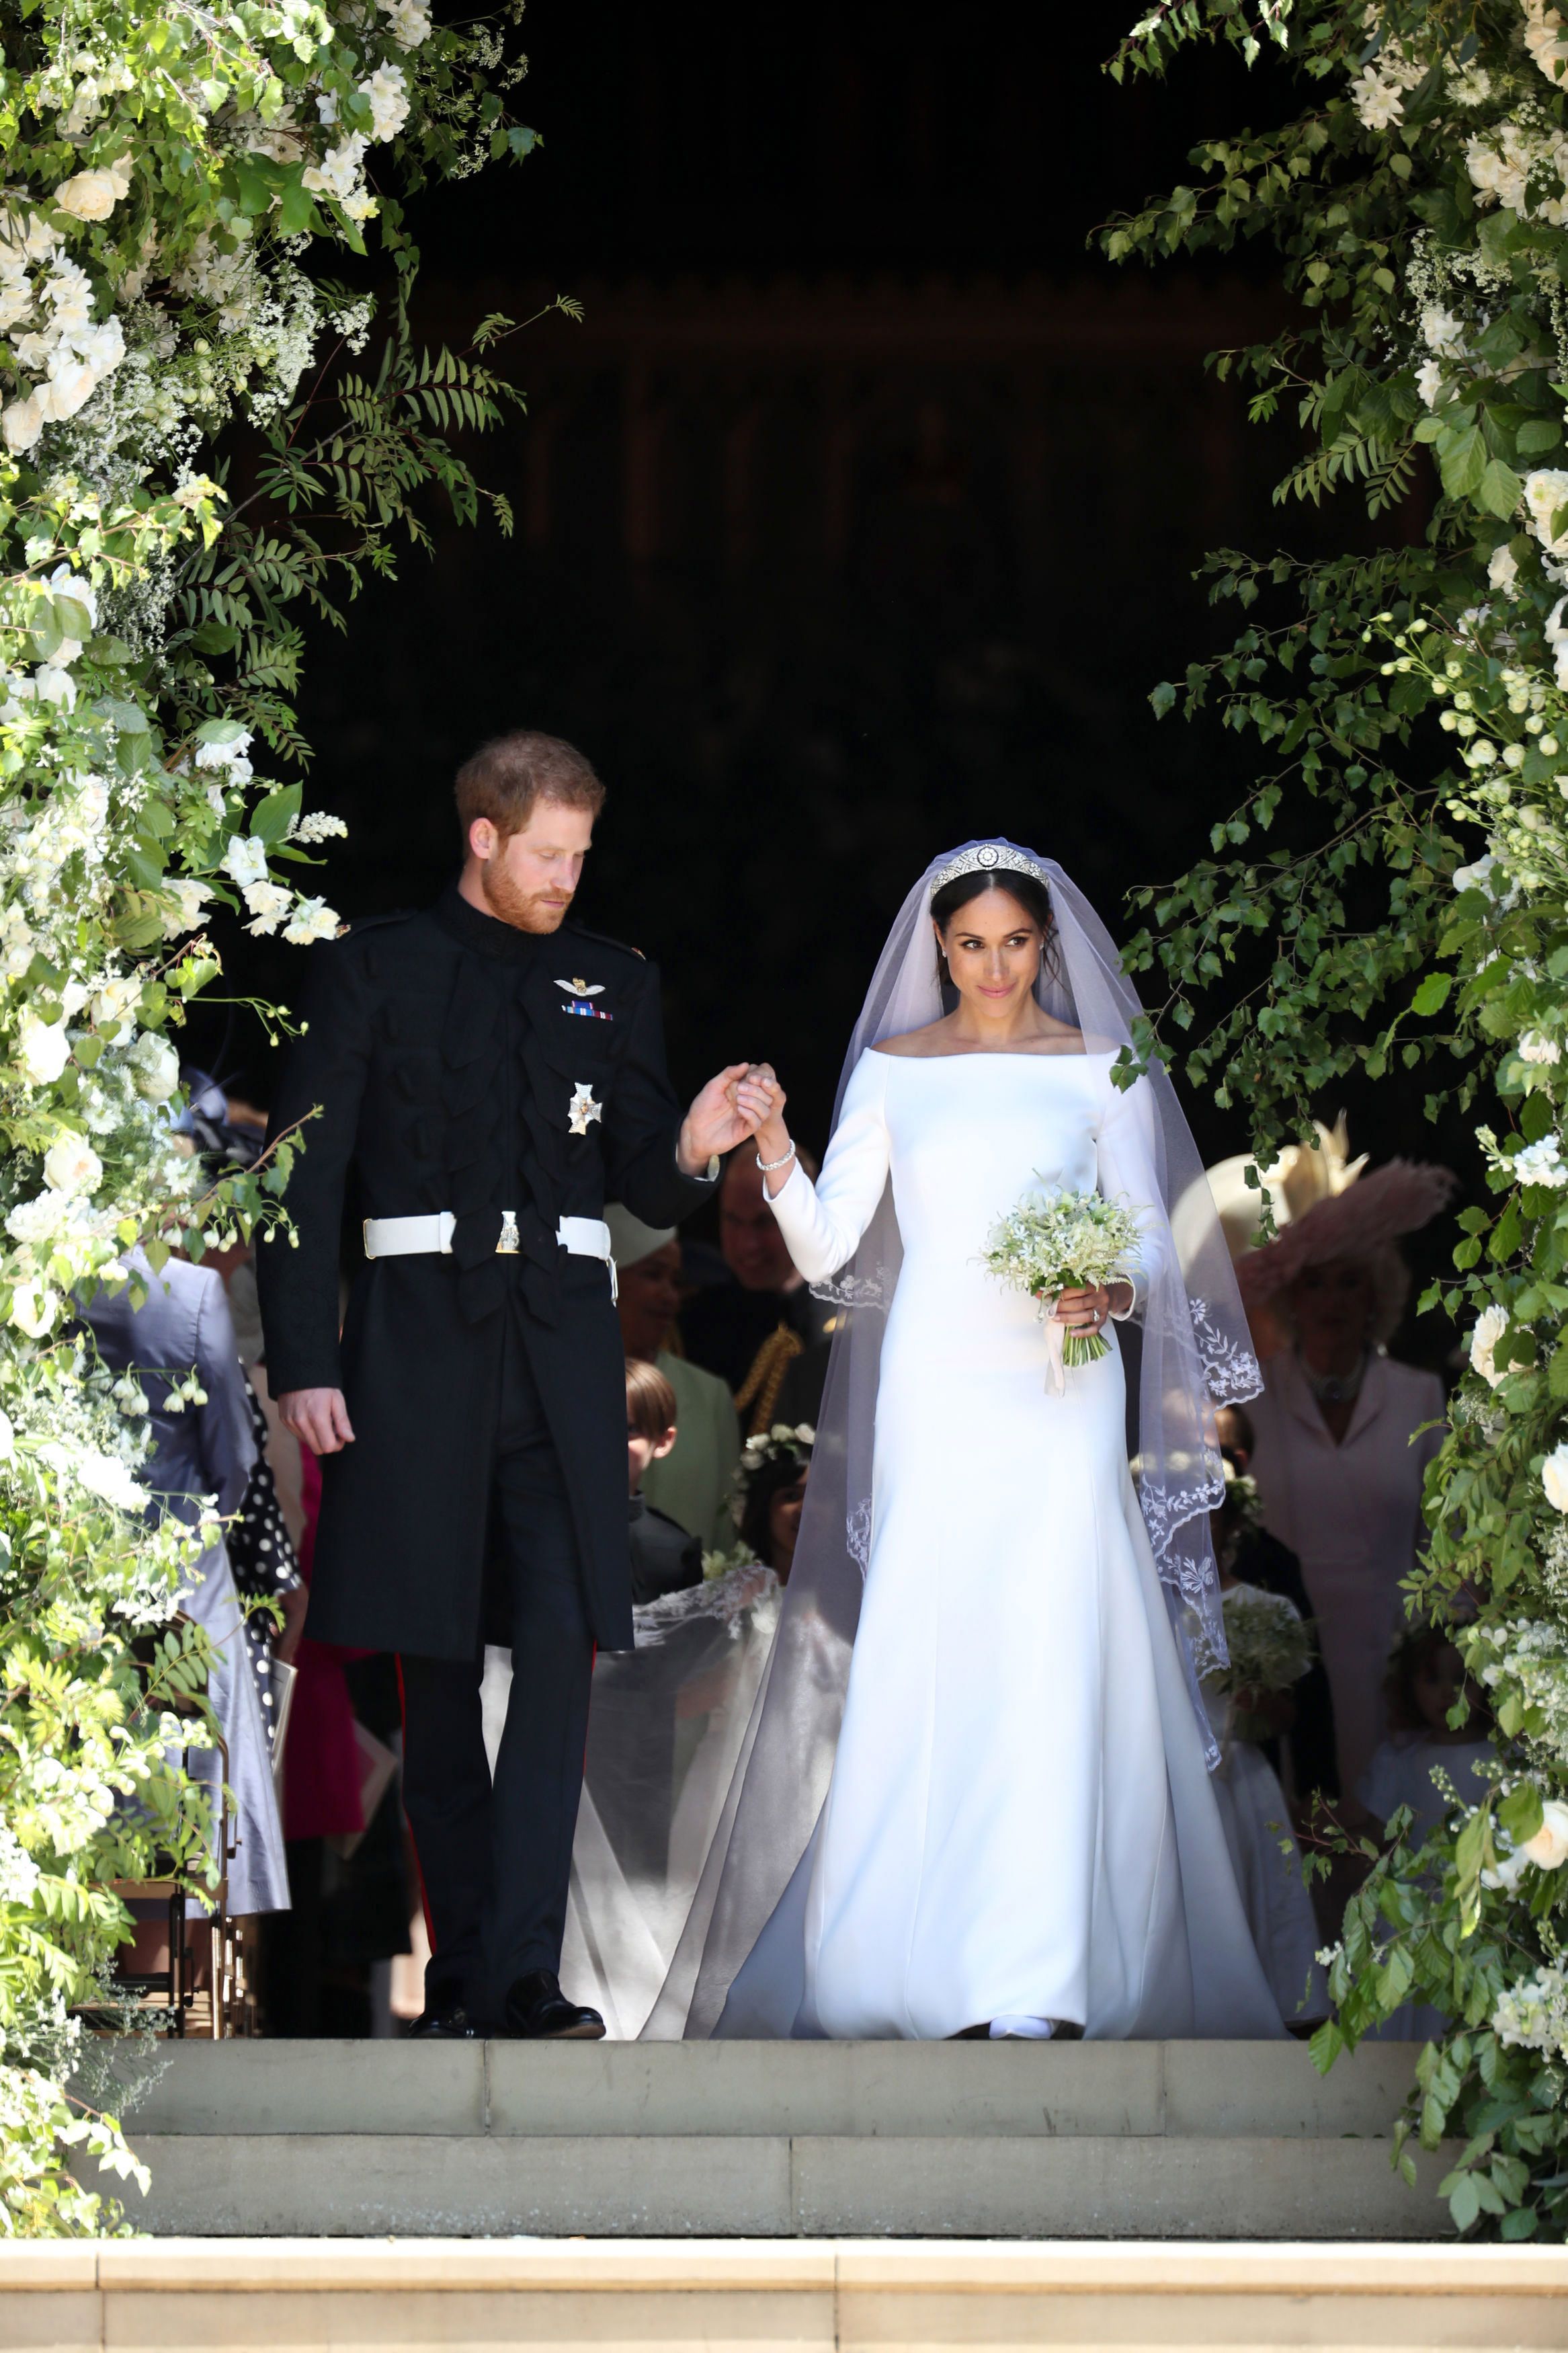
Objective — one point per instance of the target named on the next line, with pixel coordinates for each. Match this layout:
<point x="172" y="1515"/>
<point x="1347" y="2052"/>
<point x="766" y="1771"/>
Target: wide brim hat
<point x="630" y="1240"/>
<point x="1394" y="1200"/>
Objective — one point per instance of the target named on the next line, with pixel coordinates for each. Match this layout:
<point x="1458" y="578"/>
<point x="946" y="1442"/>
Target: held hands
<point x="1090" y="1311"/>
<point x="318" y="1417"/>
<point x="731" y="1108"/>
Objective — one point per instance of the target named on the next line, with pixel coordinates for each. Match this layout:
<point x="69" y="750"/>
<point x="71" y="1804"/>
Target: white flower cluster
<point x="1533" y="2013"/>
<point x="1528" y="1657"/>
<point x="46" y="306"/>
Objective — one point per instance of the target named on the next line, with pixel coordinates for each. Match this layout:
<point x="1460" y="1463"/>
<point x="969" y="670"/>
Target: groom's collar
<point x="474" y="929"/>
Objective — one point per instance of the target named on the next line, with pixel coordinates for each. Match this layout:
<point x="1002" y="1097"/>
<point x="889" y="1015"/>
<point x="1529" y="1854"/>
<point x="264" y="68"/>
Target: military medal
<point x="578" y="995"/>
<point x="583" y="1108"/>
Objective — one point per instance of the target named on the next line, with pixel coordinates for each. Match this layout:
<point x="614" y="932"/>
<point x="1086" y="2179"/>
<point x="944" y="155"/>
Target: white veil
<point x="1195" y="1354"/>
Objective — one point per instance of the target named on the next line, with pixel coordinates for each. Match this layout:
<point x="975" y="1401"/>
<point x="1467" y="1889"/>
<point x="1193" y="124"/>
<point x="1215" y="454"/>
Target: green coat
<point x="693" y="1483"/>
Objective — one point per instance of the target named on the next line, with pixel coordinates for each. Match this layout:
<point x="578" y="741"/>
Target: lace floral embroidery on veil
<point x="1230" y="1368"/>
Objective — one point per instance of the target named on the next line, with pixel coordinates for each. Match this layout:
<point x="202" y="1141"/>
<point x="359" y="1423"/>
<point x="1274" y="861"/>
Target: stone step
<point x="816" y="2297"/>
<point x="1029" y="2140"/>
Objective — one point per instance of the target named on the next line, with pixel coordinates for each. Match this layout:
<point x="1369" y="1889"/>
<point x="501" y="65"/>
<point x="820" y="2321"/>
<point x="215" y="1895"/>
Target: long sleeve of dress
<point x="822" y="1223"/>
<point x="1128" y="1174"/>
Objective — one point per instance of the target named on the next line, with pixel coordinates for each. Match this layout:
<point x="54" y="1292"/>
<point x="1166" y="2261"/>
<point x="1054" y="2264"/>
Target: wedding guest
<point x="1425" y="1677"/>
<point x="774" y="1469"/>
<point x="665" y="1558"/>
<point x="1302" y="1753"/>
<point x="1424" y="1680"/>
<point x="1344" y="1432"/>
<point x="749" y="1329"/>
<point x="179" y="1345"/>
<point x="692" y="1483"/>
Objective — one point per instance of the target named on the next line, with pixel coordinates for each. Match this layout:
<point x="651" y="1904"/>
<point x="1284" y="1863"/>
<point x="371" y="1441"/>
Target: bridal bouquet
<point x="1270" y="1649"/>
<point x="1061" y="1241"/>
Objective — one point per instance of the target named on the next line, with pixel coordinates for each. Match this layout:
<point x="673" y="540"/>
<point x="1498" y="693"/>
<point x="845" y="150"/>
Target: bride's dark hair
<point x="1031" y="894"/>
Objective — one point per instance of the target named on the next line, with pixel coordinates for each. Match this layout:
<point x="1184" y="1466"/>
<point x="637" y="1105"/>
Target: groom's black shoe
<point x="442" y="2020"/>
<point x="538" y="2011"/>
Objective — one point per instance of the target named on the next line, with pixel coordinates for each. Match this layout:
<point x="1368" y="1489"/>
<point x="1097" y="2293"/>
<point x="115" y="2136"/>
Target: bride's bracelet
<point x="769" y="1166"/>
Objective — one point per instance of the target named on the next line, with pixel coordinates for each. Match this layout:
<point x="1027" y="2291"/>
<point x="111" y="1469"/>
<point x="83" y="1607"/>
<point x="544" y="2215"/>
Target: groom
<point x="474" y="1080"/>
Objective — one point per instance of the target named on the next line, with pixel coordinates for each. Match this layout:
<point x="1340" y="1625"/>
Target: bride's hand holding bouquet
<point x="1072" y="1253"/>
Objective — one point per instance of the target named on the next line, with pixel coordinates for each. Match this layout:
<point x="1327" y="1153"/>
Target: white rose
<point x="156" y="1066"/>
<point x="42" y="1049"/>
<point x="92" y="195"/>
<point x="1534" y="1048"/>
<point x="22" y="423"/>
<point x="1554" y="1478"/>
<point x="116" y="999"/>
<point x="1548" y="1849"/>
<point x="1545" y="495"/>
<point x="71" y="1166"/>
<point x="1503" y="570"/>
<point x="1490" y="1326"/>
<point x="245" y="859"/>
<point x="33" y="1309"/>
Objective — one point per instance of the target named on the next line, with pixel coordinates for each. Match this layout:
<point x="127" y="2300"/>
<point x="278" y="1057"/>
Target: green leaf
<point x="275" y="815"/>
<point x="1499" y="489"/>
<point x="1432" y="993"/>
<point x="1162" y="698"/>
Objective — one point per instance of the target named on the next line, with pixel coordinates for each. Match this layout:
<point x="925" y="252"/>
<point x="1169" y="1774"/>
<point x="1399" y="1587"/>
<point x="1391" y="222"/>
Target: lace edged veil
<point x="1195" y="1354"/>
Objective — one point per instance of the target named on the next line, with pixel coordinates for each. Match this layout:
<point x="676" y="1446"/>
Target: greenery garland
<point x="1394" y="891"/>
<point x="170" y="176"/>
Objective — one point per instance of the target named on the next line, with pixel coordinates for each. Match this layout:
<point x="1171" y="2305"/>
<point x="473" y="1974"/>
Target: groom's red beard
<point x="525" y="911"/>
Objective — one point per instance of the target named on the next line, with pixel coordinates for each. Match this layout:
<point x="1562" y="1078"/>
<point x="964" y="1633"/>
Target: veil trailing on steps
<point x="1195" y="1354"/>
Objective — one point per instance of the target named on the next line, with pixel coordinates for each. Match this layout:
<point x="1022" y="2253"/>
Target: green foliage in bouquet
<point x="1392" y="891"/>
<point x="173" y="180"/>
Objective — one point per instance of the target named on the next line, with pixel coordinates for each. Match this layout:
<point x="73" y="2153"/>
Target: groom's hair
<point x="505" y="777"/>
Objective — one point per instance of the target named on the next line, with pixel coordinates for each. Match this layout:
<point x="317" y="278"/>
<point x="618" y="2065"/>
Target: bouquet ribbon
<point x="1055" y="1365"/>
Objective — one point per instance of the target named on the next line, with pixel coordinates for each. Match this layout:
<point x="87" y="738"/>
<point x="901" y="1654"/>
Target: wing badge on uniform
<point x="579" y="994"/>
<point x="583" y="1108"/>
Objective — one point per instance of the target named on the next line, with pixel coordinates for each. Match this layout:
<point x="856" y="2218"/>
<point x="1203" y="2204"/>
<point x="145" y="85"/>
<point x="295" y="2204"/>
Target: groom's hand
<point x="318" y="1417"/>
<point x="730" y="1108"/>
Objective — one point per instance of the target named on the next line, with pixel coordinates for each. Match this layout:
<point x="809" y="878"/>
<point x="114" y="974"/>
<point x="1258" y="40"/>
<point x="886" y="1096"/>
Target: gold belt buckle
<point x="509" y="1244"/>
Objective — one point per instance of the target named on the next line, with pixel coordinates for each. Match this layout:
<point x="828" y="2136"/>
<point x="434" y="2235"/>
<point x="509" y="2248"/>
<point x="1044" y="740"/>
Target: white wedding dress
<point x="1019" y="1823"/>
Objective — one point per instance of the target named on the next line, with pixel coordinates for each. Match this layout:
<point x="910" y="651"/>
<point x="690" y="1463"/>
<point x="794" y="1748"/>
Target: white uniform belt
<point x="410" y="1237"/>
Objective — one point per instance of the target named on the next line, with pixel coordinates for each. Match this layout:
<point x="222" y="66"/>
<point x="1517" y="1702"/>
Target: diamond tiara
<point x="986" y="857"/>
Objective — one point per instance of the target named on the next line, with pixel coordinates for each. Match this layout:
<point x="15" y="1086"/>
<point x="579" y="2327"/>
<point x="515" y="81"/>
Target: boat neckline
<point x="999" y="1054"/>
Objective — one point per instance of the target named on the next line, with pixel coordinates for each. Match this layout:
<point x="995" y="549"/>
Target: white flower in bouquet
<point x="1059" y="1240"/>
<point x="1554" y="1478"/>
<point x="1490" y="1326"/>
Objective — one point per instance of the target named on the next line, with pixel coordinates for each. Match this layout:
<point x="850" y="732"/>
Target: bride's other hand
<point x="773" y="1137"/>
<point x="723" y="1116"/>
<point x="1091" y="1310"/>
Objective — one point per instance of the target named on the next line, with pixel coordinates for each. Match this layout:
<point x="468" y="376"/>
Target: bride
<point x="975" y="1799"/>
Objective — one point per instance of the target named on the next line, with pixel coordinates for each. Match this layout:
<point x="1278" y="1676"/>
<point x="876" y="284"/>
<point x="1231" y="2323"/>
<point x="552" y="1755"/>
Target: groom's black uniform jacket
<point x="445" y="1056"/>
